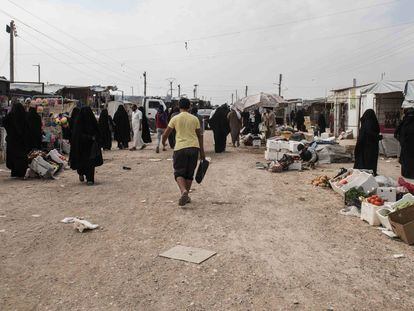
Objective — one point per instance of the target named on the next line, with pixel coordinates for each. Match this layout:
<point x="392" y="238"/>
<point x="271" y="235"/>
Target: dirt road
<point x="281" y="243"/>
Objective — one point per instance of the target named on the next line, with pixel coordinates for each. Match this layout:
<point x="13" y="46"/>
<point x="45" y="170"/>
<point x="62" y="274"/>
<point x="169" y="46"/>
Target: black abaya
<point x="34" y="122"/>
<point x="85" y="151"/>
<point x="300" y="121"/>
<point x="367" y="146"/>
<point x="122" y="127"/>
<point x="72" y="119"/>
<point x="321" y="123"/>
<point x="146" y="134"/>
<point x="17" y="139"/>
<point x="105" y="128"/>
<point x="405" y="135"/>
<point x="220" y="126"/>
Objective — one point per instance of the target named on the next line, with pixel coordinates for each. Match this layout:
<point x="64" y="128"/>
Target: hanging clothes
<point x="367" y="146"/>
<point x="122" y="127"/>
<point x="405" y="135"/>
<point x="18" y="140"/>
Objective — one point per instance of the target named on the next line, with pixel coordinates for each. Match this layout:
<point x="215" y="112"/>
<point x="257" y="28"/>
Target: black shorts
<point x="185" y="163"/>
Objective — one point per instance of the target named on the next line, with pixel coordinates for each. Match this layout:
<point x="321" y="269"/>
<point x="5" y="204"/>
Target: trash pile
<point x="45" y="165"/>
<point x="379" y="201"/>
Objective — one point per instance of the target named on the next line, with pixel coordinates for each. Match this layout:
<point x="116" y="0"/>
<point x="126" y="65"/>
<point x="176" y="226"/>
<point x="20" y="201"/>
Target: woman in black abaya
<point x="322" y="123"/>
<point x="405" y="135"/>
<point x="34" y="122"/>
<point x="105" y="128"/>
<point x="122" y="127"/>
<point x="73" y="116"/>
<point x="146" y="134"/>
<point x="85" y="151"/>
<point x="367" y="146"/>
<point x="17" y="139"/>
<point x="220" y="126"/>
<point x="300" y="121"/>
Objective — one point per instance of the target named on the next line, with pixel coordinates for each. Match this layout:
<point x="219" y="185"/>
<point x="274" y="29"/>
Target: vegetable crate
<point x="369" y="213"/>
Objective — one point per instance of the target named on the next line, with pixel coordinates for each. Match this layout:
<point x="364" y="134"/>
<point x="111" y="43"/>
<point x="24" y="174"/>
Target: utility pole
<point x="232" y="98"/>
<point x="132" y="91"/>
<point x="145" y="83"/>
<point x="179" y="90"/>
<point x="245" y="91"/>
<point x="237" y="96"/>
<point x="171" y="89"/>
<point x="195" y="90"/>
<point x="12" y="31"/>
<point x="280" y="84"/>
<point x="38" y="72"/>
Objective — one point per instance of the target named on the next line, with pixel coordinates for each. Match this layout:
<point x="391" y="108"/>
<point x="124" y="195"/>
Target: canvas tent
<point x="383" y="87"/>
<point x="259" y="100"/>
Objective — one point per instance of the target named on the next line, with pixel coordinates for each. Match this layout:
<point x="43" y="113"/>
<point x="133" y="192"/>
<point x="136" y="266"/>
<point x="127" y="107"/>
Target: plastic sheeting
<point x="409" y="95"/>
<point x="383" y="87"/>
<point x="259" y="100"/>
<point x="333" y="154"/>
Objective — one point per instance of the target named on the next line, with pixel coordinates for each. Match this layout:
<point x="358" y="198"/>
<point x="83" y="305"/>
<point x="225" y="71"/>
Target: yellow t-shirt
<point x="185" y="125"/>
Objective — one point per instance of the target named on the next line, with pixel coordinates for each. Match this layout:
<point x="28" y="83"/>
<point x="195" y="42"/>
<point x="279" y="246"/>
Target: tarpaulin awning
<point x="409" y="95"/>
<point x="259" y="100"/>
<point x="383" y="87"/>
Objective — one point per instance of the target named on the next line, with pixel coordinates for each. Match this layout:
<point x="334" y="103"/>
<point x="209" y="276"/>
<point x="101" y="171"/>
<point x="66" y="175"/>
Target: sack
<point x="41" y="167"/>
<point x="201" y="171"/>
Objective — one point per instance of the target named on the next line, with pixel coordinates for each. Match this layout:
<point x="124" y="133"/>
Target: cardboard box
<point x="402" y="223"/>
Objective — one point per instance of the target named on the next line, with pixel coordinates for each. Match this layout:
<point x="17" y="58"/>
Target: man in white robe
<point x="137" y="142"/>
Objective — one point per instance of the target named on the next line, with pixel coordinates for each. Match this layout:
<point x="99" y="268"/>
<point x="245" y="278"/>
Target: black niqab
<point x="322" y="123"/>
<point x="405" y="135"/>
<point x="146" y="134"/>
<point x="18" y="141"/>
<point x="85" y="151"/>
<point x="105" y="128"/>
<point x="122" y="126"/>
<point x="220" y="126"/>
<point x="367" y="147"/>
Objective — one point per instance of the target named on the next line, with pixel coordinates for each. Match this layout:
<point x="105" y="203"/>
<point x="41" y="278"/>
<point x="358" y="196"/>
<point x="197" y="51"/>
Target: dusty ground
<point x="281" y="244"/>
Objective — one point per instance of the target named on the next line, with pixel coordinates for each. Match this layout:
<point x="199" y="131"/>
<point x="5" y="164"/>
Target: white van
<point x="151" y="106"/>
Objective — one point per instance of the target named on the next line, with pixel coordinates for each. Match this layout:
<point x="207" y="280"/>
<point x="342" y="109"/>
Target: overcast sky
<point x="318" y="45"/>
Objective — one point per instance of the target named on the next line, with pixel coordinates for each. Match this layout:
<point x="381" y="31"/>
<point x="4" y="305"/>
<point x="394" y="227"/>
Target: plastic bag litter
<point x="81" y="225"/>
<point x="350" y="211"/>
<point x="384" y="181"/>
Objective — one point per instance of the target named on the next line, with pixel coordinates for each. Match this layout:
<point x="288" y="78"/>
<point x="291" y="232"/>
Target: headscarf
<point x="74" y="114"/>
<point x="371" y="117"/>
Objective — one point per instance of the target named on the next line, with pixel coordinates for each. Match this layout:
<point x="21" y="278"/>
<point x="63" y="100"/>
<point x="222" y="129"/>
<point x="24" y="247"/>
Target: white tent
<point x="409" y="95"/>
<point x="383" y="87"/>
<point x="259" y="100"/>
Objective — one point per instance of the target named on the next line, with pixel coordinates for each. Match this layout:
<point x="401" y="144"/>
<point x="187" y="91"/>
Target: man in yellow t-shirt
<point x="188" y="144"/>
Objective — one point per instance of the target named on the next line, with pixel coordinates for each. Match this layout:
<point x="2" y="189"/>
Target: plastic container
<point x="406" y="198"/>
<point x="364" y="180"/>
<point x="382" y="215"/>
<point x="257" y="143"/>
<point x="271" y="155"/>
<point x="369" y="213"/>
<point x="349" y="176"/>
<point x="388" y="194"/>
<point x="293" y="146"/>
<point x="273" y="145"/>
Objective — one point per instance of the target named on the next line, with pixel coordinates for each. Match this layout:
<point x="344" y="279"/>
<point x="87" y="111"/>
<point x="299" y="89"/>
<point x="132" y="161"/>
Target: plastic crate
<point x="293" y="146"/>
<point x="363" y="180"/>
<point x="273" y="145"/>
<point x="388" y="194"/>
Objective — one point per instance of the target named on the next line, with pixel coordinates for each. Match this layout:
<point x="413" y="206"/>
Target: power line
<point x="232" y="33"/>
<point x="60" y="30"/>
<point x="53" y="39"/>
